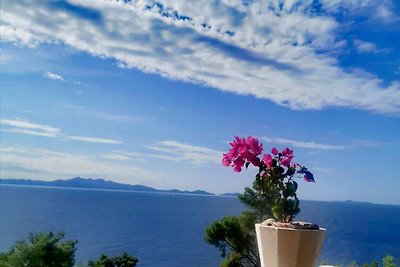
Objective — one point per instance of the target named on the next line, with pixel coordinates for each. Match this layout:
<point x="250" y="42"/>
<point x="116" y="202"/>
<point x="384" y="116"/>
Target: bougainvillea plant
<point x="274" y="184"/>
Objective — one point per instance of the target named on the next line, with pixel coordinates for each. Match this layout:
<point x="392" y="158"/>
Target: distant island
<point x="89" y="183"/>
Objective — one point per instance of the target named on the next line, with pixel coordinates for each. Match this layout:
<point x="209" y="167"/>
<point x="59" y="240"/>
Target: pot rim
<point x="290" y="229"/>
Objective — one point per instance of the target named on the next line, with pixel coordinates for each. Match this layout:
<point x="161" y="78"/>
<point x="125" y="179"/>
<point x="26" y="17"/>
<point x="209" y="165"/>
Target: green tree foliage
<point x="40" y="250"/>
<point x="388" y="261"/>
<point x="124" y="260"/>
<point x="235" y="236"/>
<point x="47" y="250"/>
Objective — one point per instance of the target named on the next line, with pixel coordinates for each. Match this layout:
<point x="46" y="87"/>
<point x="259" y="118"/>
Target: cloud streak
<point x="54" y="76"/>
<point x="26" y="127"/>
<point x="182" y="152"/>
<point x="94" y="140"/>
<point x="263" y="49"/>
<point x="364" y="47"/>
<point x="303" y="144"/>
<point x="123" y="155"/>
<point x="20" y="126"/>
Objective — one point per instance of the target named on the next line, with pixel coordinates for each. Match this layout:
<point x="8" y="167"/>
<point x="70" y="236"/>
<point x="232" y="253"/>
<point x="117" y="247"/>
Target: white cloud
<point x="172" y="151"/>
<point x="45" y="164"/>
<point x="25" y="127"/>
<point x="54" y="76"/>
<point x="124" y="155"/>
<point x="21" y="126"/>
<point x="108" y="116"/>
<point x="364" y="47"/>
<point x="385" y="13"/>
<point x="29" y="132"/>
<point x="367" y="143"/>
<point x="117" y="117"/>
<point x="355" y="144"/>
<point x="114" y="156"/>
<point x="94" y="139"/>
<point x="381" y="11"/>
<point x="181" y="152"/>
<point x="368" y="47"/>
<point x="258" y="49"/>
<point x="303" y="144"/>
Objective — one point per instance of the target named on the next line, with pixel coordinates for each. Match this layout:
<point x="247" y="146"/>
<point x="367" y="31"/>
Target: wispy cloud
<point x="46" y="164"/>
<point x="117" y="117"/>
<point x="364" y="47"/>
<point x="108" y="116"/>
<point x="21" y="126"/>
<point x="386" y="13"/>
<point x="313" y="146"/>
<point x="29" y="132"/>
<point x="94" y="140"/>
<point x="25" y="127"/>
<point x="279" y="52"/>
<point x="54" y="76"/>
<point x="380" y="11"/>
<point x="303" y="144"/>
<point x="367" y="47"/>
<point x="177" y="151"/>
<point x="367" y="143"/>
<point x="124" y="155"/>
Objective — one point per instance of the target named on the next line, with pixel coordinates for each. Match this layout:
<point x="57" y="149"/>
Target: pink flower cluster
<point x="285" y="158"/>
<point x="242" y="151"/>
<point x="247" y="150"/>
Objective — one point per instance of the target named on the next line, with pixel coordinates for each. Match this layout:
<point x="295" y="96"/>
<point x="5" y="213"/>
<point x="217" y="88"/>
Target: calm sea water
<point x="168" y="230"/>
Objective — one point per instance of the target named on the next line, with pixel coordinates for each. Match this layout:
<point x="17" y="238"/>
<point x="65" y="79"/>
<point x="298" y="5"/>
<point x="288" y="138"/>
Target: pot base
<point x="285" y="247"/>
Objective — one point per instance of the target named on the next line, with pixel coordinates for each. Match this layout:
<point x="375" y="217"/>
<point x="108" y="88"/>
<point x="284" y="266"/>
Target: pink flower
<point x="255" y="161"/>
<point x="237" y="168"/>
<point x="238" y="164"/>
<point x="274" y="151"/>
<point x="286" y="160"/>
<point x="286" y="152"/>
<point x="242" y="151"/>
<point x="254" y="145"/>
<point x="226" y="160"/>
<point x="267" y="159"/>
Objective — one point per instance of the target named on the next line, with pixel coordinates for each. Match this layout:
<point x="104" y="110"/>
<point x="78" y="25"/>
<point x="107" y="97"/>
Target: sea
<point x="168" y="229"/>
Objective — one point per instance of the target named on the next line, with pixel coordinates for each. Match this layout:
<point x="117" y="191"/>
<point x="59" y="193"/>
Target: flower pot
<point x="286" y="247"/>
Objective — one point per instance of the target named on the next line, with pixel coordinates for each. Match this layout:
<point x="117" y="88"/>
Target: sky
<point x="152" y="92"/>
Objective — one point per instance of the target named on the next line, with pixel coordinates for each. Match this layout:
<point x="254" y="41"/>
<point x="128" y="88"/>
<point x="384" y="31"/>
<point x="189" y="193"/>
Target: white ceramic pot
<point x="283" y="247"/>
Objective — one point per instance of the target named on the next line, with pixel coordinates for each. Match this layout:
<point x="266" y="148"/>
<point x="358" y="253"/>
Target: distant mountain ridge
<point x="91" y="183"/>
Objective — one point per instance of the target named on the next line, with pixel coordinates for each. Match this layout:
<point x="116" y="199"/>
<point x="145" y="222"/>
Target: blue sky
<point x="151" y="93"/>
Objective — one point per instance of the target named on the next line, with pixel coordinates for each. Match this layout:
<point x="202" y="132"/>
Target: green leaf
<point x="290" y="171"/>
<point x="295" y="186"/>
<point x="277" y="211"/>
<point x="274" y="163"/>
<point x="290" y="203"/>
<point x="296" y="203"/>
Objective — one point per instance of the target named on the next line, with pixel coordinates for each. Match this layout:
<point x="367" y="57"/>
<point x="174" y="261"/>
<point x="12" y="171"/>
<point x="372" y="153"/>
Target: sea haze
<point x="89" y="183"/>
<point x="168" y="229"/>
